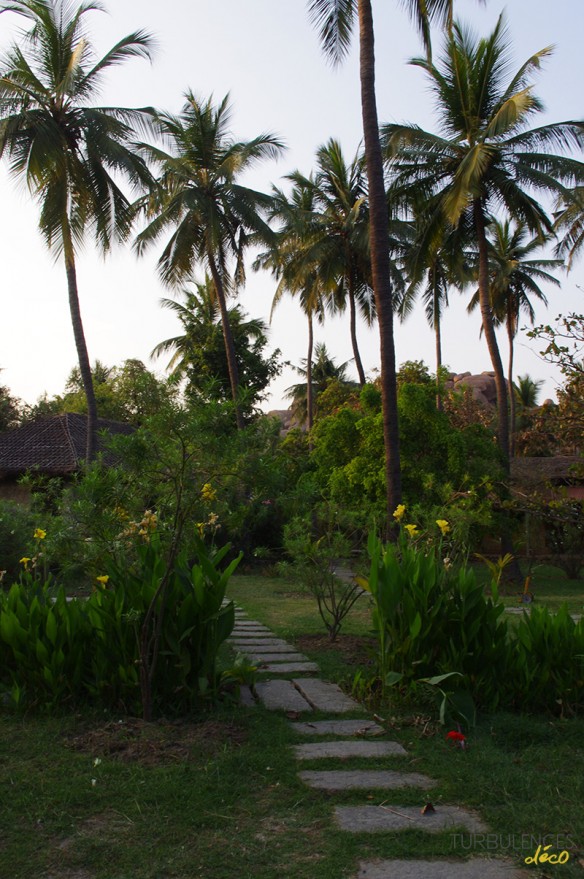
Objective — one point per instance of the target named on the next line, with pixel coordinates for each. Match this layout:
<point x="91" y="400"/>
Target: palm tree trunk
<point x="438" y="338"/>
<point x="490" y="336"/>
<point x="228" y="339"/>
<point x="379" y="236"/>
<point x="353" y="324"/>
<point x="80" y="343"/>
<point x="511" y="337"/>
<point x="309" y="388"/>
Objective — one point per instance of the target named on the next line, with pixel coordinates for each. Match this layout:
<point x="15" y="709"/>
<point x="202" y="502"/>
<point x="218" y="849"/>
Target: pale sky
<point x="265" y="54"/>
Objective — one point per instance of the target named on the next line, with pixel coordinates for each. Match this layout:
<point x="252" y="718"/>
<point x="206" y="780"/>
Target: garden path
<point x="288" y="688"/>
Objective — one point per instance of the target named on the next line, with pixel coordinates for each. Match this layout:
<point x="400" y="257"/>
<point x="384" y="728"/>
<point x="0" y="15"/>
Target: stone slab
<point x="344" y="750"/>
<point x="250" y="649"/>
<point x="359" y="728"/>
<point x="376" y="819"/>
<point x="281" y="695"/>
<point x="246" y="697"/>
<point x="365" y="779"/>
<point x="253" y="644"/>
<point x="325" y="696"/>
<point x="277" y="657"/>
<point x="249" y="625"/>
<point x="478" y="868"/>
<point x="289" y="668"/>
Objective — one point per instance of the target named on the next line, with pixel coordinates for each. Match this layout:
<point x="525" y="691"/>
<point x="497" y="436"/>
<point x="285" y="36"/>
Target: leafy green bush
<point x="315" y="549"/>
<point x="17" y="524"/>
<point x="161" y="616"/>
<point x="45" y="644"/>
<point x="432" y="619"/>
<point x="548" y="668"/>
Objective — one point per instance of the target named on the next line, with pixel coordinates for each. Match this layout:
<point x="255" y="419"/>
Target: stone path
<point x="355" y="737"/>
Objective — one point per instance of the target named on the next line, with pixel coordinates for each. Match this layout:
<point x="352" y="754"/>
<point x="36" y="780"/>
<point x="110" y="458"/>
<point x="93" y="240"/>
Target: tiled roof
<point x="52" y="445"/>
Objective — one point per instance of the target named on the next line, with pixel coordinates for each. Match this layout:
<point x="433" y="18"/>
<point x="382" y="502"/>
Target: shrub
<point x="165" y="616"/>
<point x="434" y="619"/>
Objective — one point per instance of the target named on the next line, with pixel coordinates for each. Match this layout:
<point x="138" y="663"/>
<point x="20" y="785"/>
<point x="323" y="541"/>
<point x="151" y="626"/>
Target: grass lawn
<point x="217" y="796"/>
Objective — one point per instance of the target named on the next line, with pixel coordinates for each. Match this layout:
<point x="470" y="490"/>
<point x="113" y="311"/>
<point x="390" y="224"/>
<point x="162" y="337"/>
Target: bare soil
<point x="132" y="740"/>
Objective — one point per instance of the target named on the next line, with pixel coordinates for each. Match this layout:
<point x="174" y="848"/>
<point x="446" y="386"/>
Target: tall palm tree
<point x="334" y="20"/>
<point x="213" y="217"/>
<point x="70" y="153"/>
<point x="290" y="260"/>
<point x="433" y="268"/>
<point x="513" y="278"/>
<point x="341" y="247"/>
<point x="486" y="157"/>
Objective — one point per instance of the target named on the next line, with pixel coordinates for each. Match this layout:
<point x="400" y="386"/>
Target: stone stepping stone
<point x="344" y="750"/>
<point x="478" y="868"/>
<point x="338" y="728"/>
<point x="255" y="644"/>
<point x="370" y="779"/>
<point x="281" y="695"/>
<point x="251" y="649"/>
<point x="375" y="819"/>
<point x="289" y="668"/>
<point x="246" y="697"/>
<point x="246" y="626"/>
<point x="325" y="696"/>
<point x="277" y="657"/>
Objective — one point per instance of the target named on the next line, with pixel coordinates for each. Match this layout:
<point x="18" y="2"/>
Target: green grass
<point x="218" y="796"/>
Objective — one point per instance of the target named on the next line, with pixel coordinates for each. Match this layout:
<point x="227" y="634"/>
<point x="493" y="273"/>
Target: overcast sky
<point x="265" y="54"/>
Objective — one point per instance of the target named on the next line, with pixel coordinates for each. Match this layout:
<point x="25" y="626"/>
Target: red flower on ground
<point x="456" y="738"/>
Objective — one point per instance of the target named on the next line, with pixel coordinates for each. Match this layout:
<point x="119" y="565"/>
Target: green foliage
<point x="17" y="524"/>
<point x="434" y="619"/>
<point x="548" y="668"/>
<point x="317" y="547"/>
<point x="431" y="618"/>
<point x="440" y="461"/>
<point x="563" y="519"/>
<point x="44" y="647"/>
<point x="129" y="393"/>
<point x="9" y="409"/>
<point x="55" y="652"/>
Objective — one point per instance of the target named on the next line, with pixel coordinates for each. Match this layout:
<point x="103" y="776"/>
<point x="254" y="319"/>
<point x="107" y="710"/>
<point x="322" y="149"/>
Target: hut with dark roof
<point x="50" y="446"/>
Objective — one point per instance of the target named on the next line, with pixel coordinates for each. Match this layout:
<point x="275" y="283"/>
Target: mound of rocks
<point x="482" y="386"/>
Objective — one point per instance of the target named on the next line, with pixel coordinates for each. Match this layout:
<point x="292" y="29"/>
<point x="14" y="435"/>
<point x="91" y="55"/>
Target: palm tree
<point x="486" y="157"/>
<point x="335" y="21"/>
<point x="341" y="246"/>
<point x="527" y="390"/>
<point x="570" y="221"/>
<point x="198" y="354"/>
<point x="513" y="277"/>
<point x="433" y="268"/>
<point x="199" y="309"/>
<point x="214" y="217"/>
<point x="324" y="370"/>
<point x="70" y="153"/>
<point x="290" y="260"/>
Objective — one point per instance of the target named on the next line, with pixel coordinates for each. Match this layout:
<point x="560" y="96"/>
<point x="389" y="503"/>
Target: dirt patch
<point x="134" y="741"/>
<point x="356" y="649"/>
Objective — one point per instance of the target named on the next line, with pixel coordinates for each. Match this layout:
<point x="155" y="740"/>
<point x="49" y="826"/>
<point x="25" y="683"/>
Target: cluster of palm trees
<point x="418" y="213"/>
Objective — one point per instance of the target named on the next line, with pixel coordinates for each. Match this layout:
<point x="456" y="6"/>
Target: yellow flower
<point x="24" y="560"/>
<point x="39" y="534"/>
<point x="399" y="512"/>
<point x="103" y="579"/>
<point x="444" y="526"/>
<point x="412" y="530"/>
<point x="208" y="493"/>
